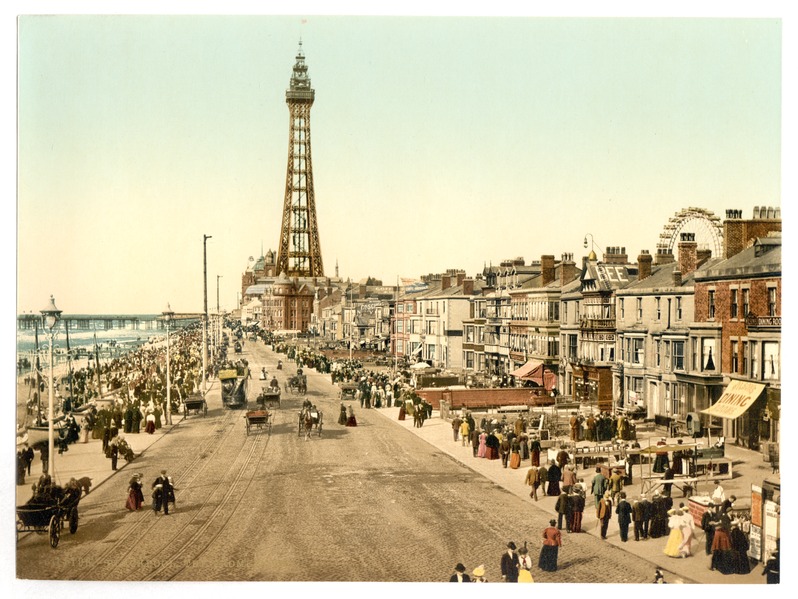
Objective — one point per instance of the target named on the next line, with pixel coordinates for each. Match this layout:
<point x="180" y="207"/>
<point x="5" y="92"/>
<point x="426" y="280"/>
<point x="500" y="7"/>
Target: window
<point x="678" y="355"/>
<point x="469" y="334"/>
<point x="770" y="361"/>
<point x="572" y="346"/>
<point x="469" y="359"/>
<point x="565" y="312"/>
<point x="746" y="302"/>
<point x="676" y="407"/>
<point x="678" y="308"/>
<point x="754" y="360"/>
<point x="745" y="358"/>
<point x="771" y="301"/>
<point x="711" y="304"/>
<point x="657" y="348"/>
<point x="735" y="358"/>
<point x="400" y="308"/>
<point x="637" y="350"/>
<point x="639" y="303"/>
<point x="659" y="309"/>
<point x="733" y="303"/>
<point x="400" y="326"/>
<point x="623" y="312"/>
<point x="708" y="355"/>
<point x="430" y="351"/>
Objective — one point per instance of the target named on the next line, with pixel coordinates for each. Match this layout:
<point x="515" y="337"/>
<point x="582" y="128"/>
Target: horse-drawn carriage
<point x="260" y="420"/>
<point x="269" y="397"/>
<point x="310" y="419"/>
<point x="237" y="347"/>
<point x="348" y="390"/>
<point x="297" y="384"/>
<point x="48" y="517"/>
<point x="195" y="403"/>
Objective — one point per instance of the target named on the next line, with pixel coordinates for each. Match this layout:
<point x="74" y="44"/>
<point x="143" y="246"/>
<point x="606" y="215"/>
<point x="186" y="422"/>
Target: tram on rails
<point x="234" y="388"/>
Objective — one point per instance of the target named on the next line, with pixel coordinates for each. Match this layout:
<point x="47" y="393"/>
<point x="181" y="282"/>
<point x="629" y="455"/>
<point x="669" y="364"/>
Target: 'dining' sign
<point x="736" y="399"/>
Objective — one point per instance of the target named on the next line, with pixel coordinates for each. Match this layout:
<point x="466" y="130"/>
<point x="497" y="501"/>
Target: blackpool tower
<point x="300" y="250"/>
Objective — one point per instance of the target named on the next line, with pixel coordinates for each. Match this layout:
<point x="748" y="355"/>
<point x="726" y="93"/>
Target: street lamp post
<point x="50" y="316"/>
<point x="205" y="239"/>
<point x="218" y="336"/>
<point x="167" y="317"/>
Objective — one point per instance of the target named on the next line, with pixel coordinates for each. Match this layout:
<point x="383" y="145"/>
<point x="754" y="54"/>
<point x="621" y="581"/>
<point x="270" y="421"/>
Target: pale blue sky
<point x="437" y="143"/>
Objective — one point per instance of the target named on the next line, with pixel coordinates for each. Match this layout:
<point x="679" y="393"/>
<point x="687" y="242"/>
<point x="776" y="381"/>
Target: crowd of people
<point x="640" y="517"/>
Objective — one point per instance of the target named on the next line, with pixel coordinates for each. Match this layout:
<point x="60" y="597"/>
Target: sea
<point x="109" y="335"/>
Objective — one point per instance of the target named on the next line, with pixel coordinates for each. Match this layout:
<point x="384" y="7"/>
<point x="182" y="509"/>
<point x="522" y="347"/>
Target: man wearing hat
<point x="163" y="493"/>
<point x="510" y="564"/>
<point x="459" y="574"/>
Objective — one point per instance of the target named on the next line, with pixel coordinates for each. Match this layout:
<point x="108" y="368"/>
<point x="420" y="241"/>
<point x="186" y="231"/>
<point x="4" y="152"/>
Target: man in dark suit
<point x="509" y="564"/>
<point x="645" y="506"/>
<point x="164" y="492"/>
<point x="459" y="574"/>
<point x="624" y="511"/>
<point x="638" y="510"/>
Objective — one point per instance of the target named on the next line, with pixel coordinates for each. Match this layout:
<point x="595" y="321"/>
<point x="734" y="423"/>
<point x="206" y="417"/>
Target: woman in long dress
<point x="515" y="454"/>
<point x="688" y="531"/>
<point x="534" y="448"/>
<point x="483" y="448"/>
<point x="675" y="523"/>
<point x="739" y="543"/>
<point x="351" y="421"/>
<point x="342" y="415"/>
<point x="553" y="475"/>
<point x="135" y="496"/>
<point x="552" y="540"/>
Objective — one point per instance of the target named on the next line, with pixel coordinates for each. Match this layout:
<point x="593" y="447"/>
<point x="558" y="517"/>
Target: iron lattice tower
<point x="300" y="250"/>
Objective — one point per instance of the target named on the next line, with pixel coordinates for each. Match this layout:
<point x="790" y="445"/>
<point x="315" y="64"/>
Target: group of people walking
<point x="163" y="493"/>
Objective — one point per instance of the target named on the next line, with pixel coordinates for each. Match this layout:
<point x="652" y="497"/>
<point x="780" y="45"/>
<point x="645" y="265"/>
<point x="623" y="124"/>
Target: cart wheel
<point x="73" y="521"/>
<point x="55" y="530"/>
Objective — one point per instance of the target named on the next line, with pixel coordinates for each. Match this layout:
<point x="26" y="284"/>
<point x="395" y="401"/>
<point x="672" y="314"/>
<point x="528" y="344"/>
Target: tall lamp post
<point x="50" y="317"/>
<point x="205" y="239"/>
<point x="167" y="318"/>
<point x="218" y="315"/>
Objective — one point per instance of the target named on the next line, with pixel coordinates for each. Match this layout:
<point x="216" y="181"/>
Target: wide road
<point x="372" y="503"/>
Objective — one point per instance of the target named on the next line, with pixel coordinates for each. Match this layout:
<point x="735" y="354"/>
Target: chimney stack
<point x="468" y="286"/>
<point x="568" y="270"/>
<point x="677" y="277"/>
<point x="644" y="261"/>
<point x="702" y="256"/>
<point x="615" y="255"/>
<point x="687" y="253"/>
<point x="664" y="256"/>
<point x="547" y="269"/>
<point x="460" y="278"/>
<point x="446" y="282"/>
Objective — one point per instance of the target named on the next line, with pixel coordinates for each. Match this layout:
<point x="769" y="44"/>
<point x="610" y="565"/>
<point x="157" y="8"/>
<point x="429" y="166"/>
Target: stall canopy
<point x="736" y="399"/>
<point x="535" y="371"/>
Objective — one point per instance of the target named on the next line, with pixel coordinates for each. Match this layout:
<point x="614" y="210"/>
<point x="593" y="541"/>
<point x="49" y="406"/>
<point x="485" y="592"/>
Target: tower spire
<point x="299" y="254"/>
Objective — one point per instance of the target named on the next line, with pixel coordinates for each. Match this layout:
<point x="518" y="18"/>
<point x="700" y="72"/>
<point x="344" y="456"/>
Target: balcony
<point x="604" y="324"/>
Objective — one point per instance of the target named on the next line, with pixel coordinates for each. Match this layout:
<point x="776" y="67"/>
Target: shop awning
<point x="536" y="371"/>
<point x="526" y="369"/>
<point x="736" y="399"/>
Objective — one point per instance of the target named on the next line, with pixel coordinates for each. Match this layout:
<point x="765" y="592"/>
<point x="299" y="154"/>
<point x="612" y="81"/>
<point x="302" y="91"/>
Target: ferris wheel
<point x="707" y="227"/>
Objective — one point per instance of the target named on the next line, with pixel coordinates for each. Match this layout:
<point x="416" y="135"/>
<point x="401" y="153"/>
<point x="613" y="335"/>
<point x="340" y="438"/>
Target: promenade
<point x="749" y="468"/>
